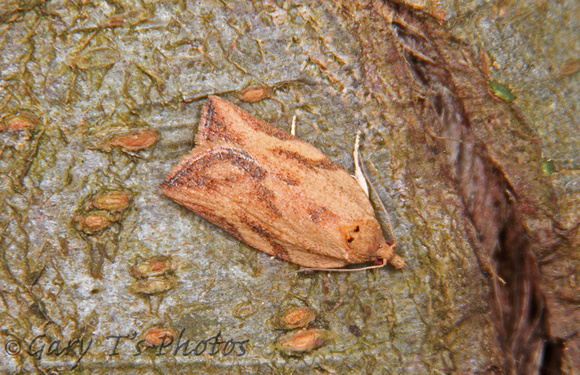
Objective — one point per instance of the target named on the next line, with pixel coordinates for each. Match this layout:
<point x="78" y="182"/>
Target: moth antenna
<point x="383" y="263"/>
<point x="389" y="255"/>
<point x="359" y="176"/>
<point x="363" y="169"/>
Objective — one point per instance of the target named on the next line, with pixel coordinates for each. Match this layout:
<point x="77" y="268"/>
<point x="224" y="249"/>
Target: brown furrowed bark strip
<point x="473" y="138"/>
<point x="489" y="198"/>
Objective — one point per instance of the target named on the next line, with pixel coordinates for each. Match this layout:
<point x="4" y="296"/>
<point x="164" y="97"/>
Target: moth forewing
<point x="224" y="121"/>
<point x="275" y="192"/>
<point x="227" y="186"/>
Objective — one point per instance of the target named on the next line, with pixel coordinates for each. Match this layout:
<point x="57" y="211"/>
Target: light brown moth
<point x="277" y="193"/>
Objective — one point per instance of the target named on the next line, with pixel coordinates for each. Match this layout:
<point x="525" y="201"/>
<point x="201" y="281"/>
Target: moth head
<point x="366" y="243"/>
<point x="363" y="238"/>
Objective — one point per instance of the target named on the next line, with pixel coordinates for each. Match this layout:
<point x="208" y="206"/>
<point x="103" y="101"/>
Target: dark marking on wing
<point x="211" y="123"/>
<point x="263" y="194"/>
<point x="324" y="163"/>
<point x="288" y="180"/>
<point x="191" y="173"/>
<point x="208" y="114"/>
<point x="279" y="250"/>
<point x="213" y="126"/>
<point x="317" y="215"/>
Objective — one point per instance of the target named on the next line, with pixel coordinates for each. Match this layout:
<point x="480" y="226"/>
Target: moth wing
<point x="226" y="185"/>
<point x="223" y="121"/>
<point x="297" y="205"/>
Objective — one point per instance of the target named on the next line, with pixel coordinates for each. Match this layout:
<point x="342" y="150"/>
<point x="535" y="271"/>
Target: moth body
<point x="276" y="192"/>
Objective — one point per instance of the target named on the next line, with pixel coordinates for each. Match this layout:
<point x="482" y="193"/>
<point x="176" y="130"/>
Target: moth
<point x="277" y="193"/>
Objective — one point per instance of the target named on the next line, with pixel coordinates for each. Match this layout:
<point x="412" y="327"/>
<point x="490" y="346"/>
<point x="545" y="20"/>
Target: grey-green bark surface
<point x="90" y="69"/>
